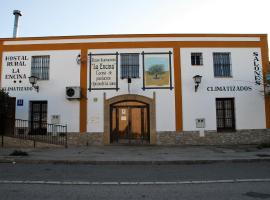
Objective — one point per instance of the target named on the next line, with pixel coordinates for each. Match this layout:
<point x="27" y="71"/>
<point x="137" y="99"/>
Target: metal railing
<point x="40" y="132"/>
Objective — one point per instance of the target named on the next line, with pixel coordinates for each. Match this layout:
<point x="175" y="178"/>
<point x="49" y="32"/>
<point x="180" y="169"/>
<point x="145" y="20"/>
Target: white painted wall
<point x="165" y="106"/>
<point x="64" y="71"/>
<point x="249" y="105"/>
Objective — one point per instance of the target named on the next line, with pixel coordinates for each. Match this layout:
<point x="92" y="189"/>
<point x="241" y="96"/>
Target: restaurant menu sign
<point x="16" y="69"/>
<point x="103" y="71"/>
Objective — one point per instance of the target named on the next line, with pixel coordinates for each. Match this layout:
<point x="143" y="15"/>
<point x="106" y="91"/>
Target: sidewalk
<point x="138" y="155"/>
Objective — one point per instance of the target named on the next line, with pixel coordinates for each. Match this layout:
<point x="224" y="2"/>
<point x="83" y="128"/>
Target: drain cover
<point x="257" y="195"/>
<point x="263" y="155"/>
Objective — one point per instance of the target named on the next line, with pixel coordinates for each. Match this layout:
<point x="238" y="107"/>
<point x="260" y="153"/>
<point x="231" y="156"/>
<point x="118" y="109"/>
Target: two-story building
<point x="142" y="89"/>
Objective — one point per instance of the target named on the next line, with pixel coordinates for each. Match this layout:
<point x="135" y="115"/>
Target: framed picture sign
<point x="157" y="70"/>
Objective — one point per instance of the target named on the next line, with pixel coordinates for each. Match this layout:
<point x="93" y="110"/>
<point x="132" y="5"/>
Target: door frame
<point x="130" y="120"/>
<point x="151" y="102"/>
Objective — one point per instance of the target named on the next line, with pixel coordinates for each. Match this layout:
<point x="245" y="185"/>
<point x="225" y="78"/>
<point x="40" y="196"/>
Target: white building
<point x="140" y="88"/>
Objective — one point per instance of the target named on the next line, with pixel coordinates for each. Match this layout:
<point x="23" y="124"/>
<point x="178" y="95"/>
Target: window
<point x="130" y="65"/>
<point x="196" y="59"/>
<point x="225" y="114"/>
<point x="38" y="117"/>
<point x="40" y="67"/>
<point x="222" y="64"/>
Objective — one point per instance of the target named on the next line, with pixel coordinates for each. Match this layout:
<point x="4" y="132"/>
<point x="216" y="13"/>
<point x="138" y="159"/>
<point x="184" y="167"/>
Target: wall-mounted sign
<point x="19" y="102"/>
<point x="229" y="88"/>
<point x="103" y="72"/>
<point x="257" y="69"/>
<point x="16" y="70"/>
<point x="157" y="70"/>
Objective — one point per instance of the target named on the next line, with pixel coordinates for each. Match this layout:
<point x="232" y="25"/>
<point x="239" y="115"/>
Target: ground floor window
<point x="225" y="114"/>
<point x="38" y="117"/>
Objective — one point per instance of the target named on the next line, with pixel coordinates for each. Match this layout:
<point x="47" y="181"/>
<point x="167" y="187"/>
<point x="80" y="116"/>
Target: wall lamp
<point x="33" y="81"/>
<point x="78" y="59"/>
<point x="197" y="80"/>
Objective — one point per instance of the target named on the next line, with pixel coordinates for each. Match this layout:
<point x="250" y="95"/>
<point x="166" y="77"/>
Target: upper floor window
<point x="196" y="59"/>
<point x="222" y="64"/>
<point x="130" y="65"/>
<point x="40" y="67"/>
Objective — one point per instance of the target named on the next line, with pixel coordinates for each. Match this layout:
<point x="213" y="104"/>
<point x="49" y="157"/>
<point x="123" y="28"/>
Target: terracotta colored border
<point x="1" y="56"/>
<point x="265" y="63"/>
<point x="83" y="83"/>
<point x="119" y="45"/>
<point x="178" y="90"/>
<point x="131" y="36"/>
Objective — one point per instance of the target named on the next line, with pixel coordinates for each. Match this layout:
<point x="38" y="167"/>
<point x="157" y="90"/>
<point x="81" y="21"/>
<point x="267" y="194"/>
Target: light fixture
<point x="197" y="80"/>
<point x="33" y="81"/>
<point x="78" y="59"/>
<point x="129" y="82"/>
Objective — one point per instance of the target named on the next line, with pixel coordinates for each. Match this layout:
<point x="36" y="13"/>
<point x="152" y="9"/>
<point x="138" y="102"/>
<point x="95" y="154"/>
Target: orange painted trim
<point x="265" y="64"/>
<point x="119" y="45"/>
<point x="178" y="90"/>
<point x="83" y="100"/>
<point x="130" y="36"/>
<point x="1" y="56"/>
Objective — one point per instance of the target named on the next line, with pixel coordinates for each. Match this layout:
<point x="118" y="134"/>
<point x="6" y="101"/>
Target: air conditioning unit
<point x="73" y="92"/>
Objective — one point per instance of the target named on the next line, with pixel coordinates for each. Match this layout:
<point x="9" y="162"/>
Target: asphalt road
<point x="207" y="181"/>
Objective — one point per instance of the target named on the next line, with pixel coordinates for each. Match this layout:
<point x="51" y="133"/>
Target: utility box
<point x="200" y="123"/>
<point x="55" y="119"/>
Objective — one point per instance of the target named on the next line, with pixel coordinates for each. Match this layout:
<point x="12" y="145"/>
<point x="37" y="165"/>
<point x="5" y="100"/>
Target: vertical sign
<point x="103" y="72"/>
<point x="257" y="69"/>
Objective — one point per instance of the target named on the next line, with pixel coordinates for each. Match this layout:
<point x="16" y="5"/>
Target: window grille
<point x="225" y="114"/>
<point x="222" y="64"/>
<point x="40" y="67"/>
<point x="196" y="59"/>
<point x="130" y="65"/>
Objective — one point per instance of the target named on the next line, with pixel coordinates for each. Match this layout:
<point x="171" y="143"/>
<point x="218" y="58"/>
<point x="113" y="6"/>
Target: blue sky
<point x="90" y="17"/>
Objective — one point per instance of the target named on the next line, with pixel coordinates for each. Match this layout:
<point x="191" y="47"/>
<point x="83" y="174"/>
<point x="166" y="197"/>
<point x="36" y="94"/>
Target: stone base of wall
<point x="11" y="142"/>
<point x="85" y="139"/>
<point x="163" y="138"/>
<point x="214" y="138"/>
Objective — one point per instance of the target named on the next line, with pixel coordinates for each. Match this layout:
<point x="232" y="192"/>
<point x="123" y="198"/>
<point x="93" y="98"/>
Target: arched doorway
<point x="129" y="119"/>
<point x="129" y="123"/>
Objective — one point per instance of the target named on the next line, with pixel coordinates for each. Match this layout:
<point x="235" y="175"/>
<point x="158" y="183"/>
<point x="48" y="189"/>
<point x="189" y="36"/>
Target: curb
<point x="131" y="162"/>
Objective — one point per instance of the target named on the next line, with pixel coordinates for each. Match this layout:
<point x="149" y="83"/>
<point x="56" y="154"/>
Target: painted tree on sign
<point x="156" y="70"/>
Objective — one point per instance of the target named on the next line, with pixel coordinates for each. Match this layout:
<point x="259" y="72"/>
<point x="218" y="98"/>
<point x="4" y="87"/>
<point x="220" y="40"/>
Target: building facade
<point x="140" y="89"/>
